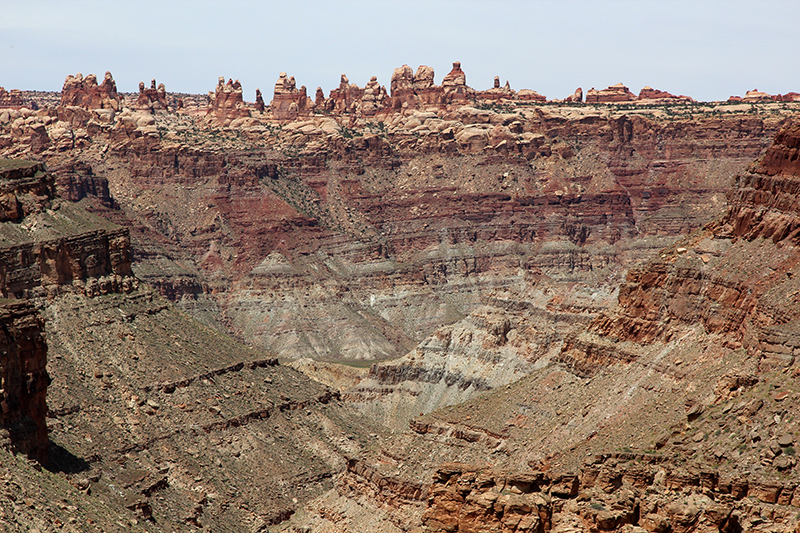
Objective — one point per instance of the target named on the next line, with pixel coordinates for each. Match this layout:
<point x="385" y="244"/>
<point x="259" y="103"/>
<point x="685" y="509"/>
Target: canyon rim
<point x="402" y="306"/>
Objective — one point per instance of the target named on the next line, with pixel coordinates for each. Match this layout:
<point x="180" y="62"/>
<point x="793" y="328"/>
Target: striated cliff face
<point x="404" y="235"/>
<point x="736" y="277"/>
<point x="48" y="246"/>
<point x="672" y="411"/>
<point x="480" y="247"/>
<point x="24" y="381"/>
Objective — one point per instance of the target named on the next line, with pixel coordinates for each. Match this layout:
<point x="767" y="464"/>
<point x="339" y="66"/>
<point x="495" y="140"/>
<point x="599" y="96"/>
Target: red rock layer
<point x="679" y="288"/>
<point x="23" y="402"/>
<point x="608" y="494"/>
<point x="76" y="180"/>
<point x="92" y="262"/>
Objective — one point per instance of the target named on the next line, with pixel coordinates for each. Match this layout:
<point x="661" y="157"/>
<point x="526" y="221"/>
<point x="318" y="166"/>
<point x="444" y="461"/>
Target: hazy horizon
<point x="706" y="50"/>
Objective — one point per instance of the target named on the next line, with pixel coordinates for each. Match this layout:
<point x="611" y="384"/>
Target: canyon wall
<point x="24" y="381"/>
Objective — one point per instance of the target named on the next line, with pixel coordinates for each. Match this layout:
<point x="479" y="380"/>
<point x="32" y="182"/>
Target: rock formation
<point x="788" y="97"/>
<point x="226" y="103"/>
<point x="402" y="87"/>
<point x="756" y="96"/>
<point x="411" y="90"/>
<point x="455" y="85"/>
<point x="576" y="97"/>
<point x="481" y="247"/>
<point x="153" y="99"/>
<point x="63" y="251"/>
<point x="259" y="104"/>
<point x="11" y="99"/>
<point x="610" y="95"/>
<point x="648" y="93"/>
<point x="289" y="102"/>
<point x="23" y="381"/>
<point x="529" y="95"/>
<point x="87" y="94"/>
<point x="505" y="93"/>
<point x="374" y="98"/>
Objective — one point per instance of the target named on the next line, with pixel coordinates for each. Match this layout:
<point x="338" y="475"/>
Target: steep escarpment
<point x="400" y="217"/>
<point x="23" y="403"/>
<point x="48" y="245"/>
<point x="673" y="409"/>
<point x="735" y="277"/>
<point x="376" y="220"/>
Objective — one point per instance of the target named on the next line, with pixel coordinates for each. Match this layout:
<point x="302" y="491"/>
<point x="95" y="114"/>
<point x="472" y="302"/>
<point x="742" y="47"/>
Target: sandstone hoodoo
<point x="153" y="98"/>
<point x="455" y="84"/>
<point x="259" y="103"/>
<point x="226" y="103"/>
<point x="289" y="102"/>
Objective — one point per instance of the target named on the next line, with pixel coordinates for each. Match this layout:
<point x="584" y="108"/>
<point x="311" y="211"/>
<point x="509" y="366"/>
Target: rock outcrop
<point x="756" y="96"/>
<point x="632" y="493"/>
<point x="289" y="102"/>
<point x="455" y="86"/>
<point x="648" y="93"/>
<point x="87" y="94"/>
<point x="23" y="381"/>
<point x="11" y="99"/>
<point x="259" y="103"/>
<point x="226" y="103"/>
<point x="411" y="90"/>
<point x="610" y="95"/>
<point x="576" y="97"/>
<point x="75" y="180"/>
<point x="59" y="248"/>
<point x="683" y="288"/>
<point x="153" y="98"/>
<point x="345" y="98"/>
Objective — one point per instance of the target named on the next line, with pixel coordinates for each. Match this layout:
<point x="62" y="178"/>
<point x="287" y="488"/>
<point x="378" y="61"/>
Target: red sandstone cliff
<point x="24" y="381"/>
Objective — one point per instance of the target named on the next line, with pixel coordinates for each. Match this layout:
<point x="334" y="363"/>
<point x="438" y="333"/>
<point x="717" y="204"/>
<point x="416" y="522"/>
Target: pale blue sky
<point x="709" y="50"/>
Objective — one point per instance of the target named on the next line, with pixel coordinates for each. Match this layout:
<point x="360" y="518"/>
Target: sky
<point x="709" y="50"/>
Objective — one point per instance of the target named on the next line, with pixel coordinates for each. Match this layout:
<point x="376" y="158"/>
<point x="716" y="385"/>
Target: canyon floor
<point x="488" y="315"/>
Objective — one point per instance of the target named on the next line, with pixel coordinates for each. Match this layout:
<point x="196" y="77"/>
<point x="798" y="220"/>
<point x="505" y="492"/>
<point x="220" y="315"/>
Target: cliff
<point x="48" y="246"/>
<point x="23" y="398"/>
<point x="671" y="411"/>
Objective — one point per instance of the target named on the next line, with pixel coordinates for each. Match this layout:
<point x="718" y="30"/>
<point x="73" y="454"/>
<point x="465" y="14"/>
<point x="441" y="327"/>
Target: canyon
<point x="430" y="308"/>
